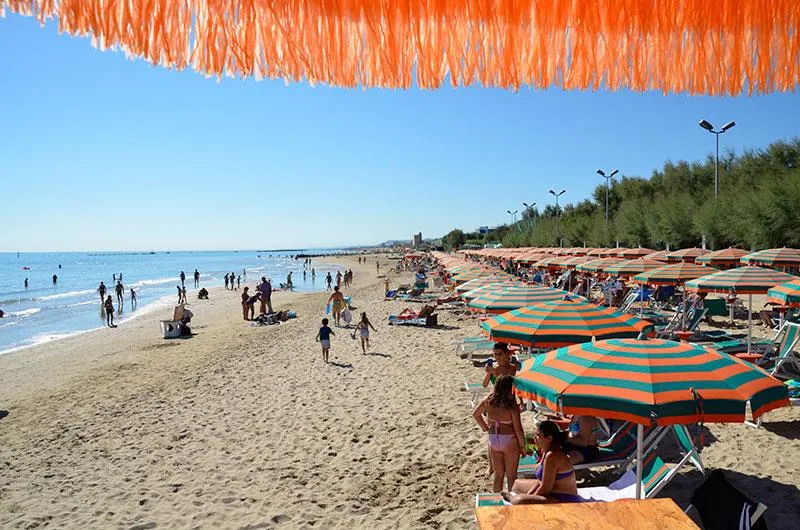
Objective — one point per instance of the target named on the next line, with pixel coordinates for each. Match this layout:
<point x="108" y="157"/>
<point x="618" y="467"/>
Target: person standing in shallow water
<point x="196" y="279"/>
<point x="102" y="290"/>
<point x="109" y="307"/>
<point x="183" y="279"/>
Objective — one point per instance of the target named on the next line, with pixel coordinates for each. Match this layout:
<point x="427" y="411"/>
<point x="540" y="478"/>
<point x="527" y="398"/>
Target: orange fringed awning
<point x="694" y="46"/>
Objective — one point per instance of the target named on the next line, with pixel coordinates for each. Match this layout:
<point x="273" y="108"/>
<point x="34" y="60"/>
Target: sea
<point x="49" y="310"/>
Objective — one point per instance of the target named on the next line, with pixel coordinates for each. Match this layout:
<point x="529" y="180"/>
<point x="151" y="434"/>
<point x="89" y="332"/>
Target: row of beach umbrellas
<point x="606" y="367"/>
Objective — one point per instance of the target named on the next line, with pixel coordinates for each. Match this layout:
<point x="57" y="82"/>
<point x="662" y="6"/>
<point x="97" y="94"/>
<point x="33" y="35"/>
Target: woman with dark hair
<point x="555" y="476"/>
<point x="500" y="365"/>
<point x="506" y="437"/>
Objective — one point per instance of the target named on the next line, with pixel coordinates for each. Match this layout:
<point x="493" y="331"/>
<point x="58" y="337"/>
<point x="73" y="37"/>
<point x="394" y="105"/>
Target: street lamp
<point x="533" y="212"/>
<point x="710" y="128"/>
<point x="558" y="212"/>
<point x="608" y="178"/>
<point x="513" y="216"/>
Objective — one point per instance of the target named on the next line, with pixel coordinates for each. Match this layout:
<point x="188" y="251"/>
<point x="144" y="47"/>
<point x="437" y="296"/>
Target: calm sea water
<point x="47" y="311"/>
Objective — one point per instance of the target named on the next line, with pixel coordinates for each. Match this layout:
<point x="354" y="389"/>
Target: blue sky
<point x="99" y="152"/>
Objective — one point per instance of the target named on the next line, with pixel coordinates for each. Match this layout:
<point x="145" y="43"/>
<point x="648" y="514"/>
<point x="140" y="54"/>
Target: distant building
<point x="416" y="240"/>
<point x="483" y="230"/>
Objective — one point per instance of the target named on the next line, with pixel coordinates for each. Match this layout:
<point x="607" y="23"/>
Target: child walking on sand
<point x="362" y="328"/>
<point x="324" y="337"/>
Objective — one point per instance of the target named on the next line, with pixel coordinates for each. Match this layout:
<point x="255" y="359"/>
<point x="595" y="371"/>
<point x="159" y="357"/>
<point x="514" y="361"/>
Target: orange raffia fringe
<point x="695" y="46"/>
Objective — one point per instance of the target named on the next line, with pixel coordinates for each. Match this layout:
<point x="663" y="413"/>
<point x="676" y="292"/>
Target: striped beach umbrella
<point x="561" y="323"/>
<point x="722" y="258"/>
<point x="686" y="254"/>
<point x="774" y="257"/>
<point x="574" y="261"/>
<point x="632" y="267"/>
<point x="597" y="265"/>
<point x="660" y="255"/>
<point x="548" y="262"/>
<point x="513" y="297"/>
<point x="675" y="274"/>
<point x="494" y="279"/>
<point x="646" y="381"/>
<point x="463" y="277"/>
<point x="742" y="280"/>
<point x="633" y="253"/>
<point x="652" y="379"/>
<point x="785" y="294"/>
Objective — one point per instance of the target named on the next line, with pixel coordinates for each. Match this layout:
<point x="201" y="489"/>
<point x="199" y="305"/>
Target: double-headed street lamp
<point x="533" y="212"/>
<point x="513" y="216"/>
<point x="710" y="128"/>
<point x="608" y="178"/>
<point x="558" y="212"/>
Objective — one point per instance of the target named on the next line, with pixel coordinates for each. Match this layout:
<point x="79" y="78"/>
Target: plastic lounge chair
<point x="655" y="475"/>
<point x="476" y="391"/>
<point x="617" y="451"/>
<point x="785" y="350"/>
<point x="722" y="506"/>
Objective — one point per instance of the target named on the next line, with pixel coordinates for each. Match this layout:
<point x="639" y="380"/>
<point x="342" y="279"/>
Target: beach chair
<point x="721" y="505"/>
<point x="628" y="301"/>
<point x="715" y="307"/>
<point x="617" y="451"/>
<point x="655" y="475"/>
<point x="476" y="391"/>
<point x="785" y="351"/>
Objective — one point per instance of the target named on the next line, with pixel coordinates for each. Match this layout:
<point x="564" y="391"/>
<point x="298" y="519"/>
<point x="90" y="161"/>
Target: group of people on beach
<point x="361" y="330"/>
<point x="558" y="451"/>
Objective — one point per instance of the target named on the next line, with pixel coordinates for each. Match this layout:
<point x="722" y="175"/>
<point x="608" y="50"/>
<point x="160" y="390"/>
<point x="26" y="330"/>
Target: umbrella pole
<point x="641" y="301"/>
<point x="749" y="321"/>
<point x="639" y="443"/>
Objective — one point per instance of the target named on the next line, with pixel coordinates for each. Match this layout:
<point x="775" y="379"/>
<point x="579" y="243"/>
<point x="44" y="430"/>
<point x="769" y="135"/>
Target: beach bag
<point x="347" y="316"/>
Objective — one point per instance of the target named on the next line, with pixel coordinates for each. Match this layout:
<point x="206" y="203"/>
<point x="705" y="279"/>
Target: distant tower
<point x="417" y="240"/>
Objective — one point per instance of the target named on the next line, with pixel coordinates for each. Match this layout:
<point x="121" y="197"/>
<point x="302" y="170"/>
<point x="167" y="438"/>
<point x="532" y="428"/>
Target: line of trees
<point x="758" y="207"/>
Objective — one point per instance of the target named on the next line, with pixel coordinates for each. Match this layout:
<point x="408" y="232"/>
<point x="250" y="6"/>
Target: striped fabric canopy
<point x="631" y="267"/>
<point x="660" y="255"/>
<point x="597" y="265"/>
<point x="774" y="257"/>
<point x="465" y="276"/>
<point x="674" y="274"/>
<point x="632" y="253"/>
<point x="686" y="254"/>
<point x="742" y="280"/>
<point x="561" y="323"/>
<point x="513" y="297"/>
<point x="785" y="294"/>
<point x="641" y="380"/>
<point x="724" y="257"/>
<point x="549" y="261"/>
<point x="486" y="289"/>
<point x="494" y="279"/>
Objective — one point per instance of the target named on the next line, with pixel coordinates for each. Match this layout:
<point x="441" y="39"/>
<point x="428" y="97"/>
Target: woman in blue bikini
<point x="506" y="437"/>
<point x="555" y="476"/>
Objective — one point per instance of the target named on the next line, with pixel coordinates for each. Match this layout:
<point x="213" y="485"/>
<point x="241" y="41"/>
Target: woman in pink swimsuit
<point x="506" y="437"/>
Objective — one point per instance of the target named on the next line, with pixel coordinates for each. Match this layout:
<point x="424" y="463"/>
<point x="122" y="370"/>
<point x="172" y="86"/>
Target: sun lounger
<point x="655" y="475"/>
<point x="786" y="349"/>
<point x="722" y="505"/>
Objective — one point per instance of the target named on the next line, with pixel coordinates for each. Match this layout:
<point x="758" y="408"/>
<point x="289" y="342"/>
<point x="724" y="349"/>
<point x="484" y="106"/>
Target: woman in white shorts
<point x="362" y="328"/>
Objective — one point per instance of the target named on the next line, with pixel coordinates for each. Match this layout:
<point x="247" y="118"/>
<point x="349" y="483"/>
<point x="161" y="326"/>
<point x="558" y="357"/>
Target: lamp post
<point x="710" y="128"/>
<point x="533" y="212"/>
<point x="513" y="216"/>
<point x="608" y="178"/>
<point x="558" y="212"/>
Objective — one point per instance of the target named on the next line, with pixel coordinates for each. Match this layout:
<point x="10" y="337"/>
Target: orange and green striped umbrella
<point x="742" y="280"/>
<point x="513" y="297"/>
<point x="463" y="277"/>
<point x="633" y="266"/>
<point x="674" y="274"/>
<point x="686" y="254"/>
<point x="660" y="255"/>
<point x="652" y="379"/>
<point x="561" y="323"/>
<point x="774" y="257"/>
<point x="633" y="253"/>
<point x="725" y="257"/>
<point x="574" y="261"/>
<point x="785" y="294"/>
<point x="495" y="279"/>
<point x="549" y="261"/>
<point x="597" y="265"/>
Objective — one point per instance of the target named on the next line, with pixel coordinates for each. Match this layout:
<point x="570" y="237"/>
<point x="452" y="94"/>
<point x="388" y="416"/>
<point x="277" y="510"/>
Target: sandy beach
<point x="245" y="427"/>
